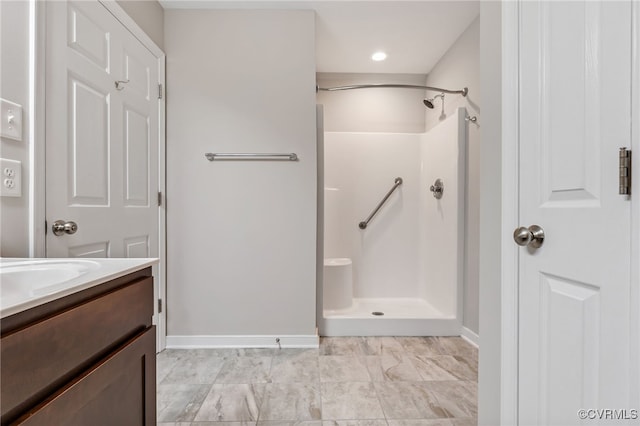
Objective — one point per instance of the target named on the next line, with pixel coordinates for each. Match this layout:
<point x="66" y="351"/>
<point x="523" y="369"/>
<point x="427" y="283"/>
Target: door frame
<point x="634" y="394"/>
<point x="37" y="177"/>
<point x="510" y="211"/>
<point x="508" y="374"/>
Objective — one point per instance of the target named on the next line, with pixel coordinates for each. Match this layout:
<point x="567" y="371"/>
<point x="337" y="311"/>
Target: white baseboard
<point x="470" y="337"/>
<point x="262" y="341"/>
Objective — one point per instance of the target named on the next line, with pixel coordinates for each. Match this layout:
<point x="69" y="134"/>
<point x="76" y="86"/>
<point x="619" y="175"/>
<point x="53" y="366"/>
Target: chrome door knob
<point x="437" y="188"/>
<point x="61" y="227"/>
<point x="532" y="236"/>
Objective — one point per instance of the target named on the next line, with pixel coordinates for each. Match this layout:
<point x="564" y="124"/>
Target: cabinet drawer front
<point x="38" y="359"/>
<point x="120" y="390"/>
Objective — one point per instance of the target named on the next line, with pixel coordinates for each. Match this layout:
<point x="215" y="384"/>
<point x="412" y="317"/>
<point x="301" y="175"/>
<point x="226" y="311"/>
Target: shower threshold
<point x="391" y="308"/>
<point x="389" y="317"/>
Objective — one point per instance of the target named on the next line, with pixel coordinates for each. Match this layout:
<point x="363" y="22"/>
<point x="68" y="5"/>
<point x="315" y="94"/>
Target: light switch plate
<point x="10" y="120"/>
<point x="10" y="178"/>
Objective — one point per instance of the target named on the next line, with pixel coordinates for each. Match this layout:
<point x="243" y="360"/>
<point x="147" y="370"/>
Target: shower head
<point x="429" y="102"/>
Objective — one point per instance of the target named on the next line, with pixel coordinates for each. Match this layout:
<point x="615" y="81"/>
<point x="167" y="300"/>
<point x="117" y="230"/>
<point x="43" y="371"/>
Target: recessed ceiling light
<point x="379" y="56"/>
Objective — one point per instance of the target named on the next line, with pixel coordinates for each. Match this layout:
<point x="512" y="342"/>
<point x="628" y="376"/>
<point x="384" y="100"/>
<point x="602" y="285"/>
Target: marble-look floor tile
<point x="222" y="424"/>
<point x="174" y="424"/>
<point x="352" y="400"/>
<point x="382" y="346"/>
<point x="194" y="370"/>
<point x="406" y="400"/>
<point x="372" y="422"/>
<point x="254" y="369"/>
<point x="385" y="372"/>
<point x="458" y="398"/>
<point x="341" y="346"/>
<point x="391" y="368"/>
<point x="295" y="367"/>
<point x="464" y="422"/>
<point x="288" y="352"/>
<point x="232" y="402"/>
<point x="441" y="367"/>
<point x="340" y="368"/>
<point x="291" y="401"/>
<point x="179" y="403"/>
<point x="420" y="345"/>
<point x="176" y="353"/>
<point x="226" y="352"/>
<point x="164" y="365"/>
<point x="457" y="346"/>
<point x="469" y="366"/>
<point x="255" y="351"/>
<point x="420" y="422"/>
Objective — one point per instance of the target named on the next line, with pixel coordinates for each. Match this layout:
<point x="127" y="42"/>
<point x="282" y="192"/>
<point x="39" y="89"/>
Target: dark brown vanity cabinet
<point x="85" y="359"/>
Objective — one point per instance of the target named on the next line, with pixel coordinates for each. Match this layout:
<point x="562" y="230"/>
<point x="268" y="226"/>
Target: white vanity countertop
<point x="27" y="283"/>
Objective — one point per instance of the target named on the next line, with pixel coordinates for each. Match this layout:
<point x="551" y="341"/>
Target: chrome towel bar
<point x="242" y="156"/>
<point x="363" y="225"/>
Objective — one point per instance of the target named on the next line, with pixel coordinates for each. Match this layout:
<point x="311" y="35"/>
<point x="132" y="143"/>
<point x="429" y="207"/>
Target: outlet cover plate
<point x="10" y="178"/>
<point x="10" y="120"/>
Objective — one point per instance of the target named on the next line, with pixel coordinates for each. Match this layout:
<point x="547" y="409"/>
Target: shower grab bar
<point x="251" y="156"/>
<point x="363" y="224"/>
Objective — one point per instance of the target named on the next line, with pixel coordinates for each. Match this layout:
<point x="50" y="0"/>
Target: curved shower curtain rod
<point x="462" y="92"/>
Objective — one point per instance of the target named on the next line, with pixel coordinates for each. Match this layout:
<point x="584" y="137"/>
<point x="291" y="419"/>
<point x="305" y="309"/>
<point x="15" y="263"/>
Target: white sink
<point x="25" y="279"/>
<point x="26" y="283"/>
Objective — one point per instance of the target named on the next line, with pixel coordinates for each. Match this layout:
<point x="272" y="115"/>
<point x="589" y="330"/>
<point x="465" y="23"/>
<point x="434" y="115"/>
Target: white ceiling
<point x="414" y="34"/>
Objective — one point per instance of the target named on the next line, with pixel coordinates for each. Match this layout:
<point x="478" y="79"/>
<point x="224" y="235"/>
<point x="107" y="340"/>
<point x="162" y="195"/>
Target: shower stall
<point x="392" y="226"/>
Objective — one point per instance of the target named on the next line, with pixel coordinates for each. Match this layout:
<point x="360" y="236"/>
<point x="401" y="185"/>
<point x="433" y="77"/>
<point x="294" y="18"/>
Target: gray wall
<point x="241" y="235"/>
<point x="14" y="87"/>
<point x="372" y="110"/>
<point x="490" y="214"/>
<point x="458" y="68"/>
<point x="149" y="15"/>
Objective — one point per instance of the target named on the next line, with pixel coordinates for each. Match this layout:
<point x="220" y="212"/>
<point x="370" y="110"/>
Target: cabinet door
<point x="37" y="360"/>
<point x="119" y="390"/>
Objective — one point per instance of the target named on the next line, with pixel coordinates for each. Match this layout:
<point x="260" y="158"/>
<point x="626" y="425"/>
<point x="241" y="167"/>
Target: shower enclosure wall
<point x="406" y="266"/>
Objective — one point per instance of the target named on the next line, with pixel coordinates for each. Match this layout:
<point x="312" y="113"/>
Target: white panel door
<point x="101" y="137"/>
<point x="575" y="63"/>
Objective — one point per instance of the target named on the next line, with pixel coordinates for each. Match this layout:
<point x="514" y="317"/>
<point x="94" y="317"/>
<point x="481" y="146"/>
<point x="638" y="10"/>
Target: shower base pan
<point x="389" y="317"/>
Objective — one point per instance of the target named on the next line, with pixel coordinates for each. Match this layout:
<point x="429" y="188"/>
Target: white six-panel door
<point x="101" y="140"/>
<point x="574" y="291"/>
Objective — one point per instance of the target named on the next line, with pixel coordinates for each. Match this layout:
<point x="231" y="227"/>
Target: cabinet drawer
<point x="114" y="392"/>
<point x="37" y="360"/>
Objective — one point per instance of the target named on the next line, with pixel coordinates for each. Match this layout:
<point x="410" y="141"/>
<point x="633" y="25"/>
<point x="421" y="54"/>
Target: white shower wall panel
<point x="442" y="156"/>
<point x="360" y="168"/>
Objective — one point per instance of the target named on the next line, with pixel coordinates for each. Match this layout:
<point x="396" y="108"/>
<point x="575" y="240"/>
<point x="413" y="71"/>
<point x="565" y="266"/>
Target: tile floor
<point x="348" y="381"/>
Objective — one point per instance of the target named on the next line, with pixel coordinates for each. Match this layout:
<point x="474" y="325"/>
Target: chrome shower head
<point x="428" y="103"/>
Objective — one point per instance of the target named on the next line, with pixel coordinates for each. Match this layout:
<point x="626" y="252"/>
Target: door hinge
<point x="625" y="172"/>
<point x="159" y="198"/>
<point x="159" y="91"/>
<point x="159" y="305"/>
<point x="46" y="227"/>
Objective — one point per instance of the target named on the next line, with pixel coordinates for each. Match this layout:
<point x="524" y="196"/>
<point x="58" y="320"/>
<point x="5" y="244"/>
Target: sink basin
<point x="24" y="279"/>
<point x="26" y="283"/>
